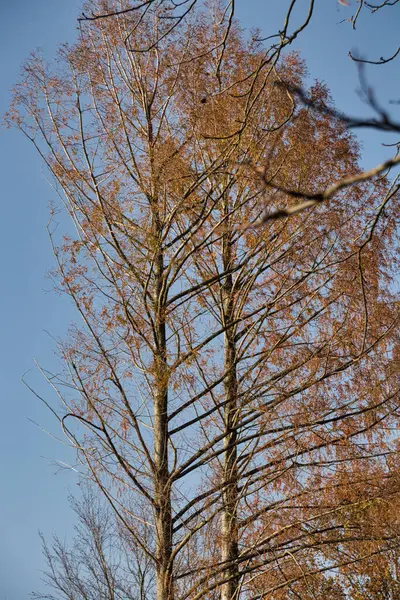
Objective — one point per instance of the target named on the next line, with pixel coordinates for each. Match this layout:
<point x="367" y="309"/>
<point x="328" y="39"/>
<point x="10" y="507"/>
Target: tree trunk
<point x="230" y="589"/>
<point x="162" y="485"/>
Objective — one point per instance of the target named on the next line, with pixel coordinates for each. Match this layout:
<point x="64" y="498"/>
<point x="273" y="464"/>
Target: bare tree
<point x="102" y="562"/>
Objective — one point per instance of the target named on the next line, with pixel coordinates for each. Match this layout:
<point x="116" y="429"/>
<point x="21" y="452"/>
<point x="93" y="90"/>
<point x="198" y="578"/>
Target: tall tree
<point x="224" y="372"/>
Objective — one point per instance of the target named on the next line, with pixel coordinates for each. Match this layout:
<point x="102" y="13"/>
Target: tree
<point x="292" y="27"/>
<point x="102" y="562"/>
<point x="226" y="370"/>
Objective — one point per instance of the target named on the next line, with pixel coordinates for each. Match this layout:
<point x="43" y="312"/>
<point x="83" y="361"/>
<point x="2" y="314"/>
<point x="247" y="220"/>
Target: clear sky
<point x="33" y="489"/>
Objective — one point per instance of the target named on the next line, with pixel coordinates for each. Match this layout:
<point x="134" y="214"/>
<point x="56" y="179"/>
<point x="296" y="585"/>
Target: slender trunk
<point x="230" y="589"/>
<point x="162" y="486"/>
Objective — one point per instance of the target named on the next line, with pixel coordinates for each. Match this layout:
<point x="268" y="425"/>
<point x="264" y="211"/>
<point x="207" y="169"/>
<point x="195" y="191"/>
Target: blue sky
<point x="34" y="490"/>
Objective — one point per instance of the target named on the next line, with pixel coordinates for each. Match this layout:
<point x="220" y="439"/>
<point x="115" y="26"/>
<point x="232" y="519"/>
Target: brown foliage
<point x="234" y="384"/>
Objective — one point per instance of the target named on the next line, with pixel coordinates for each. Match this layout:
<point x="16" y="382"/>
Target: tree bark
<point x="229" y="554"/>
<point x="162" y="484"/>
